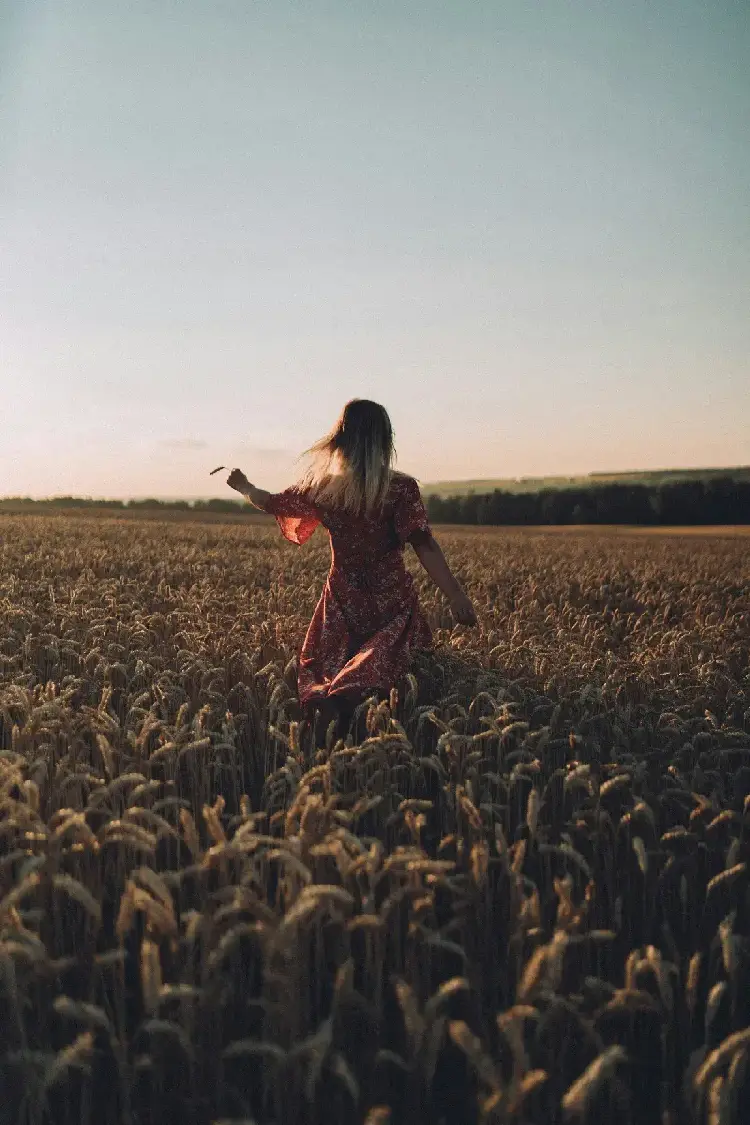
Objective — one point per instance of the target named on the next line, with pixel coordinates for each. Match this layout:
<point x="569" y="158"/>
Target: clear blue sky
<point x="524" y="227"/>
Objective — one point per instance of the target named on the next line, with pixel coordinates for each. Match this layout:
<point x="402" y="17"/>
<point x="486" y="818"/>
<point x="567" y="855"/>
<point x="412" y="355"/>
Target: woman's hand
<point x="462" y="609"/>
<point x="238" y="481"/>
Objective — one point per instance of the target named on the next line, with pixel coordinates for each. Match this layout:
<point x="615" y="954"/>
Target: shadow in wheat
<point x="351" y="942"/>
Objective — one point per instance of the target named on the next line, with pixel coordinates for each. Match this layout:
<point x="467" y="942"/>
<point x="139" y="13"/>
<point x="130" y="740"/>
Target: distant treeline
<point x="716" y="500"/>
<point x="131" y="505"/>
<point x="713" y="500"/>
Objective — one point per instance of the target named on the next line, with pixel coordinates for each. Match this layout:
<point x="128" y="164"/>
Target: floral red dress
<point x="368" y="621"/>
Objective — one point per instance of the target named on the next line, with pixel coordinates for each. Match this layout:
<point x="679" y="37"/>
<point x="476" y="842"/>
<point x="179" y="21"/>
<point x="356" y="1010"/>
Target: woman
<point x="368" y="621"/>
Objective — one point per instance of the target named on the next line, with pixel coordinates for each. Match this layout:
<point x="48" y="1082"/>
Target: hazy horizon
<point x="225" y="493"/>
<point x="525" y="229"/>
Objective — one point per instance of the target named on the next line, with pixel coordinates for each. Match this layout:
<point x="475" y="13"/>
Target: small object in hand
<point x="217" y="470"/>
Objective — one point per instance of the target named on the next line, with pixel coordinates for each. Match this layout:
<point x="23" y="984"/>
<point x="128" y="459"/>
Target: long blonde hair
<point x="351" y="466"/>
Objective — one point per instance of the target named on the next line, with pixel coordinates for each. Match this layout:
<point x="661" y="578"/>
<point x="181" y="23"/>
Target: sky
<point x="523" y="227"/>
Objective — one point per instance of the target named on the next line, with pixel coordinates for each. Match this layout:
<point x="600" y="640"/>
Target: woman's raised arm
<point x="258" y="497"/>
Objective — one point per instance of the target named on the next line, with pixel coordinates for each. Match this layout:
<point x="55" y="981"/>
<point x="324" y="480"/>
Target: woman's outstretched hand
<point x="463" y="610"/>
<point x="238" y="481"/>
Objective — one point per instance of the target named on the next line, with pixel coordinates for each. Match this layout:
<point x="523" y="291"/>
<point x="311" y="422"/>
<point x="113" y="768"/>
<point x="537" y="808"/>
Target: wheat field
<point x="517" y="893"/>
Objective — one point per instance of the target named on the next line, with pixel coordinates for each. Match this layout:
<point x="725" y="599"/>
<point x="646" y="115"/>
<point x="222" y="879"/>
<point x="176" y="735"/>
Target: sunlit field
<point x="517" y="893"/>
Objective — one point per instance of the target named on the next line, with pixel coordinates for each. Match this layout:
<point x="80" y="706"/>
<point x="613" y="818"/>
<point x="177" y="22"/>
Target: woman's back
<point x="356" y="540"/>
<point x="365" y="540"/>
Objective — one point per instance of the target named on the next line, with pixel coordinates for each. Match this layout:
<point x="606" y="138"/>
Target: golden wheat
<point x="238" y="923"/>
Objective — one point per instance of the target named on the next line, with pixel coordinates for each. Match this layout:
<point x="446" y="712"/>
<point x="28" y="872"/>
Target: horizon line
<point x="39" y="498"/>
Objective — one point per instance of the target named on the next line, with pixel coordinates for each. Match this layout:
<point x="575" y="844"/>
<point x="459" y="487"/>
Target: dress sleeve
<point x="295" y="514"/>
<point x="410" y="516"/>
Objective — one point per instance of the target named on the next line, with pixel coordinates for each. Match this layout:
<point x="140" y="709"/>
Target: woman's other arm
<point x="433" y="560"/>
<point x="258" y="497"/>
